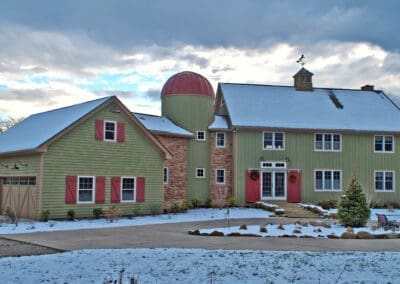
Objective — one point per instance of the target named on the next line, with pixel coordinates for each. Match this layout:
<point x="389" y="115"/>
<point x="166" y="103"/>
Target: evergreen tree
<point x="353" y="209"/>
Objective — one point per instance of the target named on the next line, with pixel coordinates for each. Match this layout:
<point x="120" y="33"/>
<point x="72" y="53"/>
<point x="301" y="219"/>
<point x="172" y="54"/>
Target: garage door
<point x="19" y="194"/>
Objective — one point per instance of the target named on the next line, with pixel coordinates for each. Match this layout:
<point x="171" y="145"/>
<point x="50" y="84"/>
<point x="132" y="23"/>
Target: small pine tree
<point x="353" y="209"/>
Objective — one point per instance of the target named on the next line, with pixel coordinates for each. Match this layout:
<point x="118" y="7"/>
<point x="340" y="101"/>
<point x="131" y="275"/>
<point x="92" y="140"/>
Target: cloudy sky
<point x="56" y="53"/>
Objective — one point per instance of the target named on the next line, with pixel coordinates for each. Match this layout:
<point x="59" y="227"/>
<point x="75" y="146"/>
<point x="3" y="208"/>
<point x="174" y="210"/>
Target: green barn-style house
<point x="254" y="142"/>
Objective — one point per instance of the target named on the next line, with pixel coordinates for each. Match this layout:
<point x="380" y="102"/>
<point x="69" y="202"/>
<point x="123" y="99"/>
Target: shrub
<point x="112" y="214"/>
<point x="196" y="202"/>
<point x="136" y="209"/>
<point x="209" y="203"/>
<point x="45" y="215"/>
<point x="231" y="201"/>
<point x="155" y="209"/>
<point x="328" y="204"/>
<point x="97" y="212"/>
<point x="184" y="206"/>
<point x="175" y="208"/>
<point x="391" y="205"/>
<point x="71" y="214"/>
<point x="374" y="203"/>
<point x="353" y="209"/>
<point x="10" y="213"/>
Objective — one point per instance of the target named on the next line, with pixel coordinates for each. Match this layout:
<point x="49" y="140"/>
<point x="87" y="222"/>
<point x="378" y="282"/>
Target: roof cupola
<point x="303" y="80"/>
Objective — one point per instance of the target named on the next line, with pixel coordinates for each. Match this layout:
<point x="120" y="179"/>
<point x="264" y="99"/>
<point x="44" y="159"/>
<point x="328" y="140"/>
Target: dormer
<point x="303" y="80"/>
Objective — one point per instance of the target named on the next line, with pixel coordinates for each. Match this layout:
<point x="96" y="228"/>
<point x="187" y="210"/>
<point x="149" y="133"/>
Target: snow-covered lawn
<point x="190" y="215"/>
<point x="203" y="266"/>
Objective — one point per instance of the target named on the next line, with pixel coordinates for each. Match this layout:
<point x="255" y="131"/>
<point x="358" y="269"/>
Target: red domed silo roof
<point x="187" y="83"/>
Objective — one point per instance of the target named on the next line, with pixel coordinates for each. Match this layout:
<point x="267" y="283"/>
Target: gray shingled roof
<point x="37" y="129"/>
<point x="285" y="107"/>
<point x="161" y="124"/>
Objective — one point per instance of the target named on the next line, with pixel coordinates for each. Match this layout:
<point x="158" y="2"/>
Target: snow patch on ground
<point x="278" y="230"/>
<point x="191" y="215"/>
<point x="203" y="266"/>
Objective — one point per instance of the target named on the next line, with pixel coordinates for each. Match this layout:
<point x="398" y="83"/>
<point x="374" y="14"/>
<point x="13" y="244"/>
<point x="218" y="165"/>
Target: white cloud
<point x="72" y="65"/>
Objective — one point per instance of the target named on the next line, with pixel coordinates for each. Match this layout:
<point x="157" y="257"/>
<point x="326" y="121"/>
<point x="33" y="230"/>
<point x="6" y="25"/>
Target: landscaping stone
<point x="331" y="236"/>
<point x="216" y="234"/>
<point x="364" y="235"/>
<point x="319" y="224"/>
<point x="348" y="235"/>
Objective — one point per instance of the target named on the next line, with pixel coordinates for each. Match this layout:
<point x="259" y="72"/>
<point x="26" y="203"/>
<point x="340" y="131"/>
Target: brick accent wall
<point x="221" y="158"/>
<point x="175" y="189"/>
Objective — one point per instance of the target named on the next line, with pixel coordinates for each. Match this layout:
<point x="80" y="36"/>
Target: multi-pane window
<point x="165" y="175"/>
<point x="384" y="143"/>
<point x="327" y="142"/>
<point x="85" y="189"/>
<point x="201" y="135"/>
<point x="200" y="173"/>
<point x="274" y="140"/>
<point x="220" y="176"/>
<point x="384" y="180"/>
<point x="128" y="189"/>
<point x="328" y="180"/>
<point x="110" y="129"/>
<point x="220" y="139"/>
<point x="19" y="181"/>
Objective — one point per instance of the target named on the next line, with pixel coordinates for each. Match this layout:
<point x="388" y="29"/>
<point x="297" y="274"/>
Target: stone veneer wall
<point x="175" y="189"/>
<point x="221" y="158"/>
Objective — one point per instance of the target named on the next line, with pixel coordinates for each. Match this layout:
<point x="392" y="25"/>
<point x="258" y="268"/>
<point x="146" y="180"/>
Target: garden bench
<point x="385" y="223"/>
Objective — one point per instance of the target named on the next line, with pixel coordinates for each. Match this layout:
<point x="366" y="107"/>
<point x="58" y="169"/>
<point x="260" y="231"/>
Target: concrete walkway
<point x="176" y="236"/>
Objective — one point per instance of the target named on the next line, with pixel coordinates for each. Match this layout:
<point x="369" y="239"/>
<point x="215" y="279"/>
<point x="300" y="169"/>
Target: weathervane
<point x="300" y="60"/>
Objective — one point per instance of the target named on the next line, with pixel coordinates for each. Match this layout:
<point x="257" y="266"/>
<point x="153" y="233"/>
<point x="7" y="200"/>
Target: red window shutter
<point x="70" y="189"/>
<point x="140" y="189"/>
<point x="100" y="189"/>
<point x="99" y="130"/>
<point x="115" y="189"/>
<point x="120" y="132"/>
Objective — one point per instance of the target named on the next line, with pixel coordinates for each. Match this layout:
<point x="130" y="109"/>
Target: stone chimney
<point x="367" y="88"/>
<point x="303" y="80"/>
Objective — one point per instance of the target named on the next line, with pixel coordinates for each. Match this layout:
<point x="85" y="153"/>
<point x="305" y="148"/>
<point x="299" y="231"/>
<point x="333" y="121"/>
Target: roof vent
<point x="367" y="88"/>
<point x="335" y="100"/>
<point x="303" y="80"/>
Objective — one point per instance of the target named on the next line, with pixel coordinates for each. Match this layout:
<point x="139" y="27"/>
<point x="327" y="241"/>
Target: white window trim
<point x="384" y="178"/>
<point x="104" y="131"/>
<point x="323" y="178"/>
<point x="216" y="140"/>
<point x="216" y="176"/>
<point x="204" y="173"/>
<point x="167" y="175"/>
<point x="134" y="189"/>
<point x="383" y="151"/>
<point x="323" y="142"/>
<point x="273" y="141"/>
<point x="93" y="190"/>
<point x="197" y="135"/>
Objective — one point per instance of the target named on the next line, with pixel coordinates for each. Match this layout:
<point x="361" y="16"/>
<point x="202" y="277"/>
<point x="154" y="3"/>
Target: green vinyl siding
<point x="78" y="153"/>
<point x="357" y="155"/>
<point x="194" y="113"/>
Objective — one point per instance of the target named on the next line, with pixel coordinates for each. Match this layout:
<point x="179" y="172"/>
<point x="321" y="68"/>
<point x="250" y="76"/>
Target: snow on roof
<point x="284" y="107"/>
<point x="161" y="124"/>
<point x="36" y="129"/>
<point x="220" y="122"/>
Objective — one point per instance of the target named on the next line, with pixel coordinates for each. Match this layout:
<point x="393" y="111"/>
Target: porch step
<point x="292" y="210"/>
